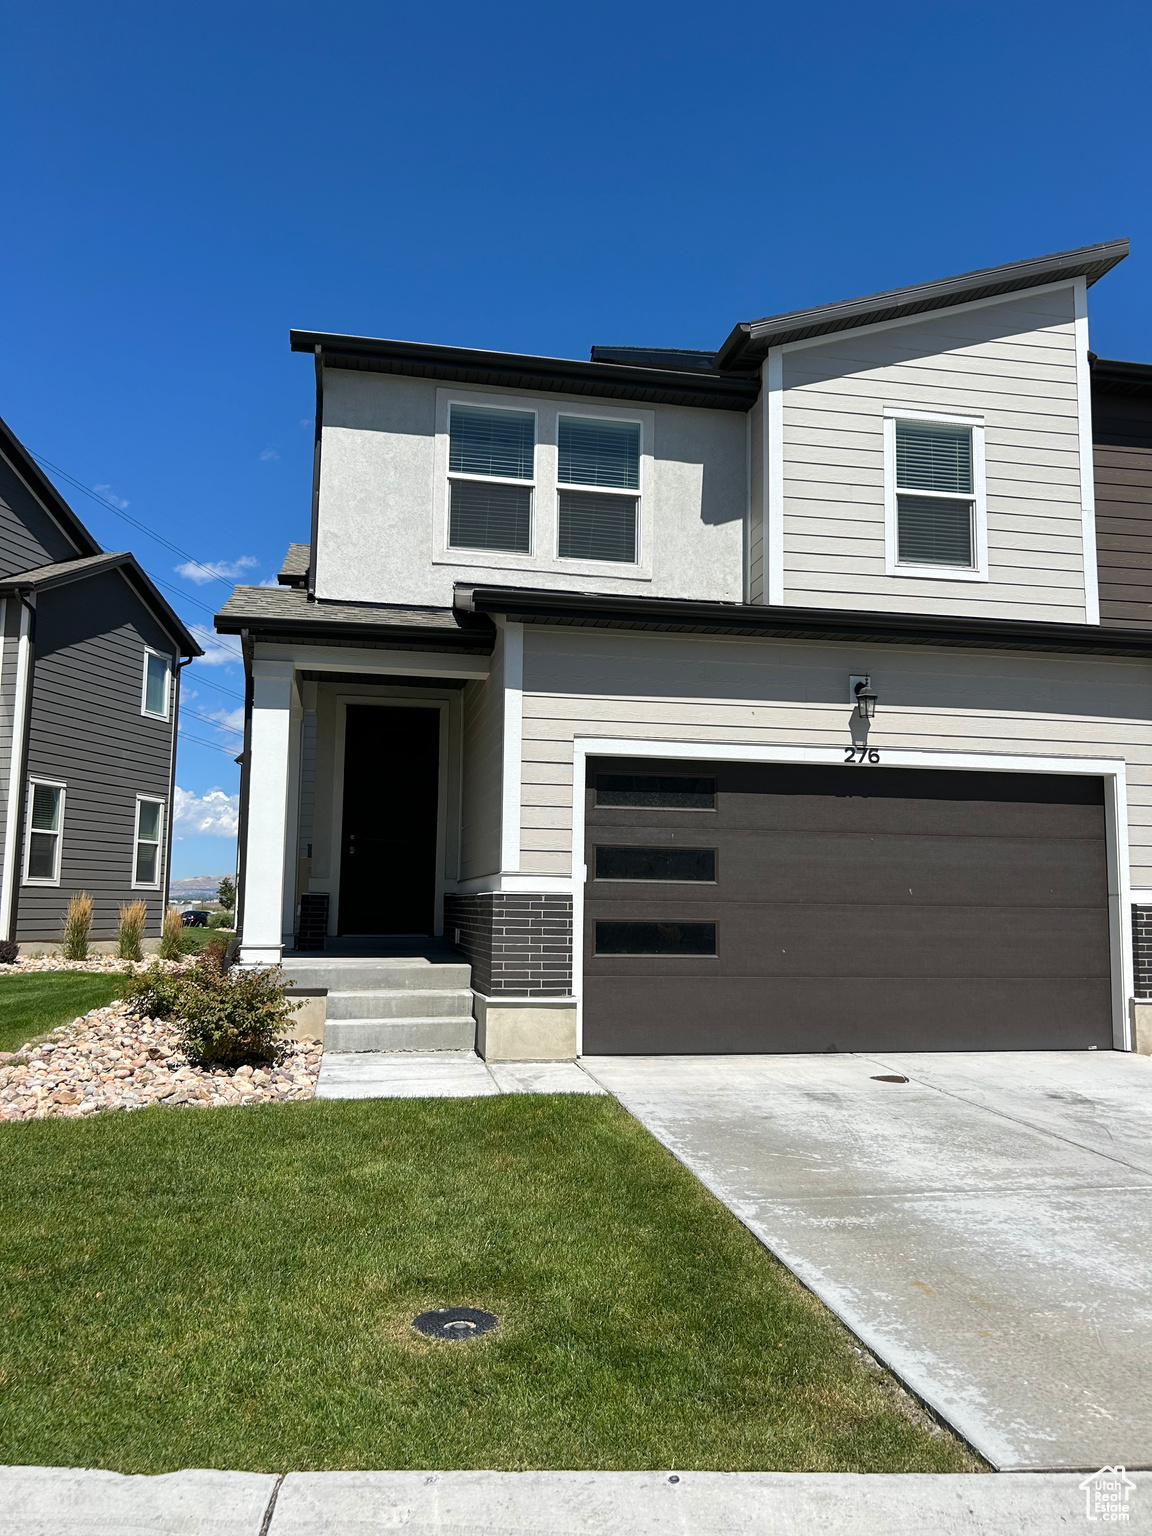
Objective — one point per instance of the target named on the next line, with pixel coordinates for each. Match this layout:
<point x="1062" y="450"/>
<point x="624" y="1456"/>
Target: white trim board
<point x="773" y="477"/>
<point x="512" y="654"/>
<point x="1087" y="457"/>
<point x="1112" y="770"/>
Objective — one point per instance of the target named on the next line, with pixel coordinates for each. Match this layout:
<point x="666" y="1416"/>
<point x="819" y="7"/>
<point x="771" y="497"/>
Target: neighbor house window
<point x="149" y="817"/>
<point x="45" y="830"/>
<point x="491" y="471"/>
<point x="157" y="670"/>
<point x="935" y="485"/>
<point x="599" y="520"/>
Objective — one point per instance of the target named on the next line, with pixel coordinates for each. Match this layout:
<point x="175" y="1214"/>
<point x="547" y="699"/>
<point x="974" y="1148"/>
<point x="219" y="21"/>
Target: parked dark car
<point x="195" y="919"/>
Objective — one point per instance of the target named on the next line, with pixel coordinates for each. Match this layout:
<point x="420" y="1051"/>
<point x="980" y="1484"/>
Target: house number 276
<point x="861" y="755"/>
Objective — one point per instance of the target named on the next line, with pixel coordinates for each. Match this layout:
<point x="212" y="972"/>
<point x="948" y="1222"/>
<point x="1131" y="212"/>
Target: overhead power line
<point x="215" y="745"/>
<point x="219" y="687"/>
<point x="237" y="730"/>
<point x="136" y="523"/>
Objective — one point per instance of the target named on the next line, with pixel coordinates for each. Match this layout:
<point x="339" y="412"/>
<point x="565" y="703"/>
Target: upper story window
<point x="935" y="494"/>
<point x="597" y="522"/>
<point x="157" y="673"/>
<point x="491" y="470"/>
<point x="45" y="830"/>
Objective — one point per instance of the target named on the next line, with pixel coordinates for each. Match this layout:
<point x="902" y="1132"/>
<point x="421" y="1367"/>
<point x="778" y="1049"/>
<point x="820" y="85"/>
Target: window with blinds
<point x="598" y="521"/>
<point x="491" y="473"/>
<point x="935" y="495"/>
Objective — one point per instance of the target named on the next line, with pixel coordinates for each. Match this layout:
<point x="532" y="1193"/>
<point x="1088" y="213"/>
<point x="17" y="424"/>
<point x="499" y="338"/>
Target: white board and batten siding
<point x="1013" y="364"/>
<point x="587" y="683"/>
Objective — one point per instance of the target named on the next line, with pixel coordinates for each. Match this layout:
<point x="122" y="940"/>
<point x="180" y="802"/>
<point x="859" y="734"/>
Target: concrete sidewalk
<point x="49" y="1501"/>
<point x="984" y="1227"/>
<point x="442" y="1075"/>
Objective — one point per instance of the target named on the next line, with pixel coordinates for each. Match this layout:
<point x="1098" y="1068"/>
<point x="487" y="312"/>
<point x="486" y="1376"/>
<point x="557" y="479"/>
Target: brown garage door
<point x="739" y="907"/>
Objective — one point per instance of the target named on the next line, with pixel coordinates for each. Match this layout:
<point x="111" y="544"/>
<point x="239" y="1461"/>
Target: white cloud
<point x="203" y="571"/>
<point x="229" y="719"/>
<point x="212" y="815"/>
<point x="269" y="453"/>
<point x="106" y="492"/>
<point x="218" y="650"/>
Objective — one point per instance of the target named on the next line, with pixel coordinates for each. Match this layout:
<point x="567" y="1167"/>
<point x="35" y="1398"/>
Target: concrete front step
<point x="400" y="1005"/>
<point x="377" y="975"/>
<point x="452" y="1033"/>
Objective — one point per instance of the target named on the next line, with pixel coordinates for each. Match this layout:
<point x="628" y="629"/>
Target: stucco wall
<point x="380" y="494"/>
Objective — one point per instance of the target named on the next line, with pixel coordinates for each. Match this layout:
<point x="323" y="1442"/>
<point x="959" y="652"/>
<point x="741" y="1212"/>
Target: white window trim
<point x="28" y="829"/>
<point x="545" y="537"/>
<point x="892" y="565"/>
<point x="149" y="885"/>
<point x="167" y="660"/>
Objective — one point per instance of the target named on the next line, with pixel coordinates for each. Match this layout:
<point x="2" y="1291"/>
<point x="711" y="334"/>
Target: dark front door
<point x="388" y="840"/>
<point x="735" y="907"/>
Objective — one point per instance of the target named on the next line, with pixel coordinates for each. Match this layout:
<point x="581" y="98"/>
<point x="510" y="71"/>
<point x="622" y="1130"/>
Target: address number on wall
<point x="861" y="755"/>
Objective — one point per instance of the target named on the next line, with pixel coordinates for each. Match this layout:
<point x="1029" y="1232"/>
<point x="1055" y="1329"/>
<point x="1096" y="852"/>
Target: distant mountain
<point x="200" y="882"/>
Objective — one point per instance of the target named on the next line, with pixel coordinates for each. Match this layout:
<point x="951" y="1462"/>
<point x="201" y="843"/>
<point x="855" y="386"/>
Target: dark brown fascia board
<point x="64" y="572"/>
<point x="698" y="388"/>
<point x="749" y="342"/>
<point x="680" y="616"/>
<point x="1119" y="378"/>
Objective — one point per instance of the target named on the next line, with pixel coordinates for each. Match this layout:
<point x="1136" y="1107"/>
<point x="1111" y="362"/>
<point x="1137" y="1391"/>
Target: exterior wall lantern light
<point x="865" y="697"/>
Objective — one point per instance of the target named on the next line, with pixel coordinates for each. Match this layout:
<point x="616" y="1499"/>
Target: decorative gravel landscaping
<point x="237" y="1291"/>
<point x="110" y="1059"/>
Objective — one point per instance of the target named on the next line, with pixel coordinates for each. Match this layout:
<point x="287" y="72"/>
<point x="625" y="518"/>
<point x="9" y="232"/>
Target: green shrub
<point x="226" y="895"/>
<point x="9" y="952"/>
<point x="224" y="1018"/>
<point x="133" y="917"/>
<point x="77" y="927"/>
<point x="222" y="920"/>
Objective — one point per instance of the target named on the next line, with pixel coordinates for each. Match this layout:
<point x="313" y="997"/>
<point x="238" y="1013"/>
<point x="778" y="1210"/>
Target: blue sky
<point x="185" y="183"/>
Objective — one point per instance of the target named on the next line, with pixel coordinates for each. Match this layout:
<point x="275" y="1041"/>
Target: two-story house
<point x="783" y="698"/>
<point x="89" y="688"/>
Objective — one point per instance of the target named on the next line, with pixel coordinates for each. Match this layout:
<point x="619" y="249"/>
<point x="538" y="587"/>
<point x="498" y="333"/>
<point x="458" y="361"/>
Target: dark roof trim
<point x="63" y="573"/>
<point x="477" y="635"/>
<point x="294" y="571"/>
<point x="678" y="616"/>
<point x="750" y="341"/>
<point x="691" y="358"/>
<point x="45" y="492"/>
<point x="1119" y="378"/>
<point x="509" y="370"/>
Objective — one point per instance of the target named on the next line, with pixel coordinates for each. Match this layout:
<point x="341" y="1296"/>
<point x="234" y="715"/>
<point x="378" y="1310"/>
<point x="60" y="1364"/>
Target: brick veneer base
<point x="1142" y="951"/>
<point x="518" y="945"/>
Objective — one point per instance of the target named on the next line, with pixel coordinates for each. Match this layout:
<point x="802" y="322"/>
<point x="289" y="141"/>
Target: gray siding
<point x="1122" y="432"/>
<point x="1014" y="363"/>
<point x="28" y="536"/>
<point x="483" y="768"/>
<point x="88" y="733"/>
<point x="686" y="688"/>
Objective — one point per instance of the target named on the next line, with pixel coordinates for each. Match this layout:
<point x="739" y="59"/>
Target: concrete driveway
<point x="985" y="1228"/>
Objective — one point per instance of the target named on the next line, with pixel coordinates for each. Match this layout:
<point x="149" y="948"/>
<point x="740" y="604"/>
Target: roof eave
<point x="750" y="341"/>
<point x="747" y="619"/>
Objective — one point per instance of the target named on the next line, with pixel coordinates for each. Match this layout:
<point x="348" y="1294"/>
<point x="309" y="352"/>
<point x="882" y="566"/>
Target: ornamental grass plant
<point x="171" y="935"/>
<point x="133" y="917"/>
<point x="77" y="927"/>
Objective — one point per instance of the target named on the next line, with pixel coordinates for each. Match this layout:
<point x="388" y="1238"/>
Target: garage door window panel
<point x="655" y="938"/>
<point x="656" y="792"/>
<point x="669" y="865"/>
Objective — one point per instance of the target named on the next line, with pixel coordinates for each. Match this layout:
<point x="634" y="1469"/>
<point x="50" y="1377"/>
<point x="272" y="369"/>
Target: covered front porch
<point x="373" y="863"/>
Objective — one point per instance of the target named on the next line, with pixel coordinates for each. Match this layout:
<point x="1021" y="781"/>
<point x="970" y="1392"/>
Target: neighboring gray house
<point x="747" y="700"/>
<point x="89" y="690"/>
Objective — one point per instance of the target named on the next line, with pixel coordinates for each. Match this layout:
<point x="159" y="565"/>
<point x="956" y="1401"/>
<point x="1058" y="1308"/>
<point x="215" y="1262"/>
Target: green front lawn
<point x="31" y="1005"/>
<point x="234" y="1288"/>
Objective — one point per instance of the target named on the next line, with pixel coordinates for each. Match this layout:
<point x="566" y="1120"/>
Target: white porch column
<point x="261" y="942"/>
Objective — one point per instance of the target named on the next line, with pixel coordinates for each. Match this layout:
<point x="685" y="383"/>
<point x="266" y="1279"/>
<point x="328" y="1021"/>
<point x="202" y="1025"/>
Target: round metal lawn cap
<point x="454" y="1323"/>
